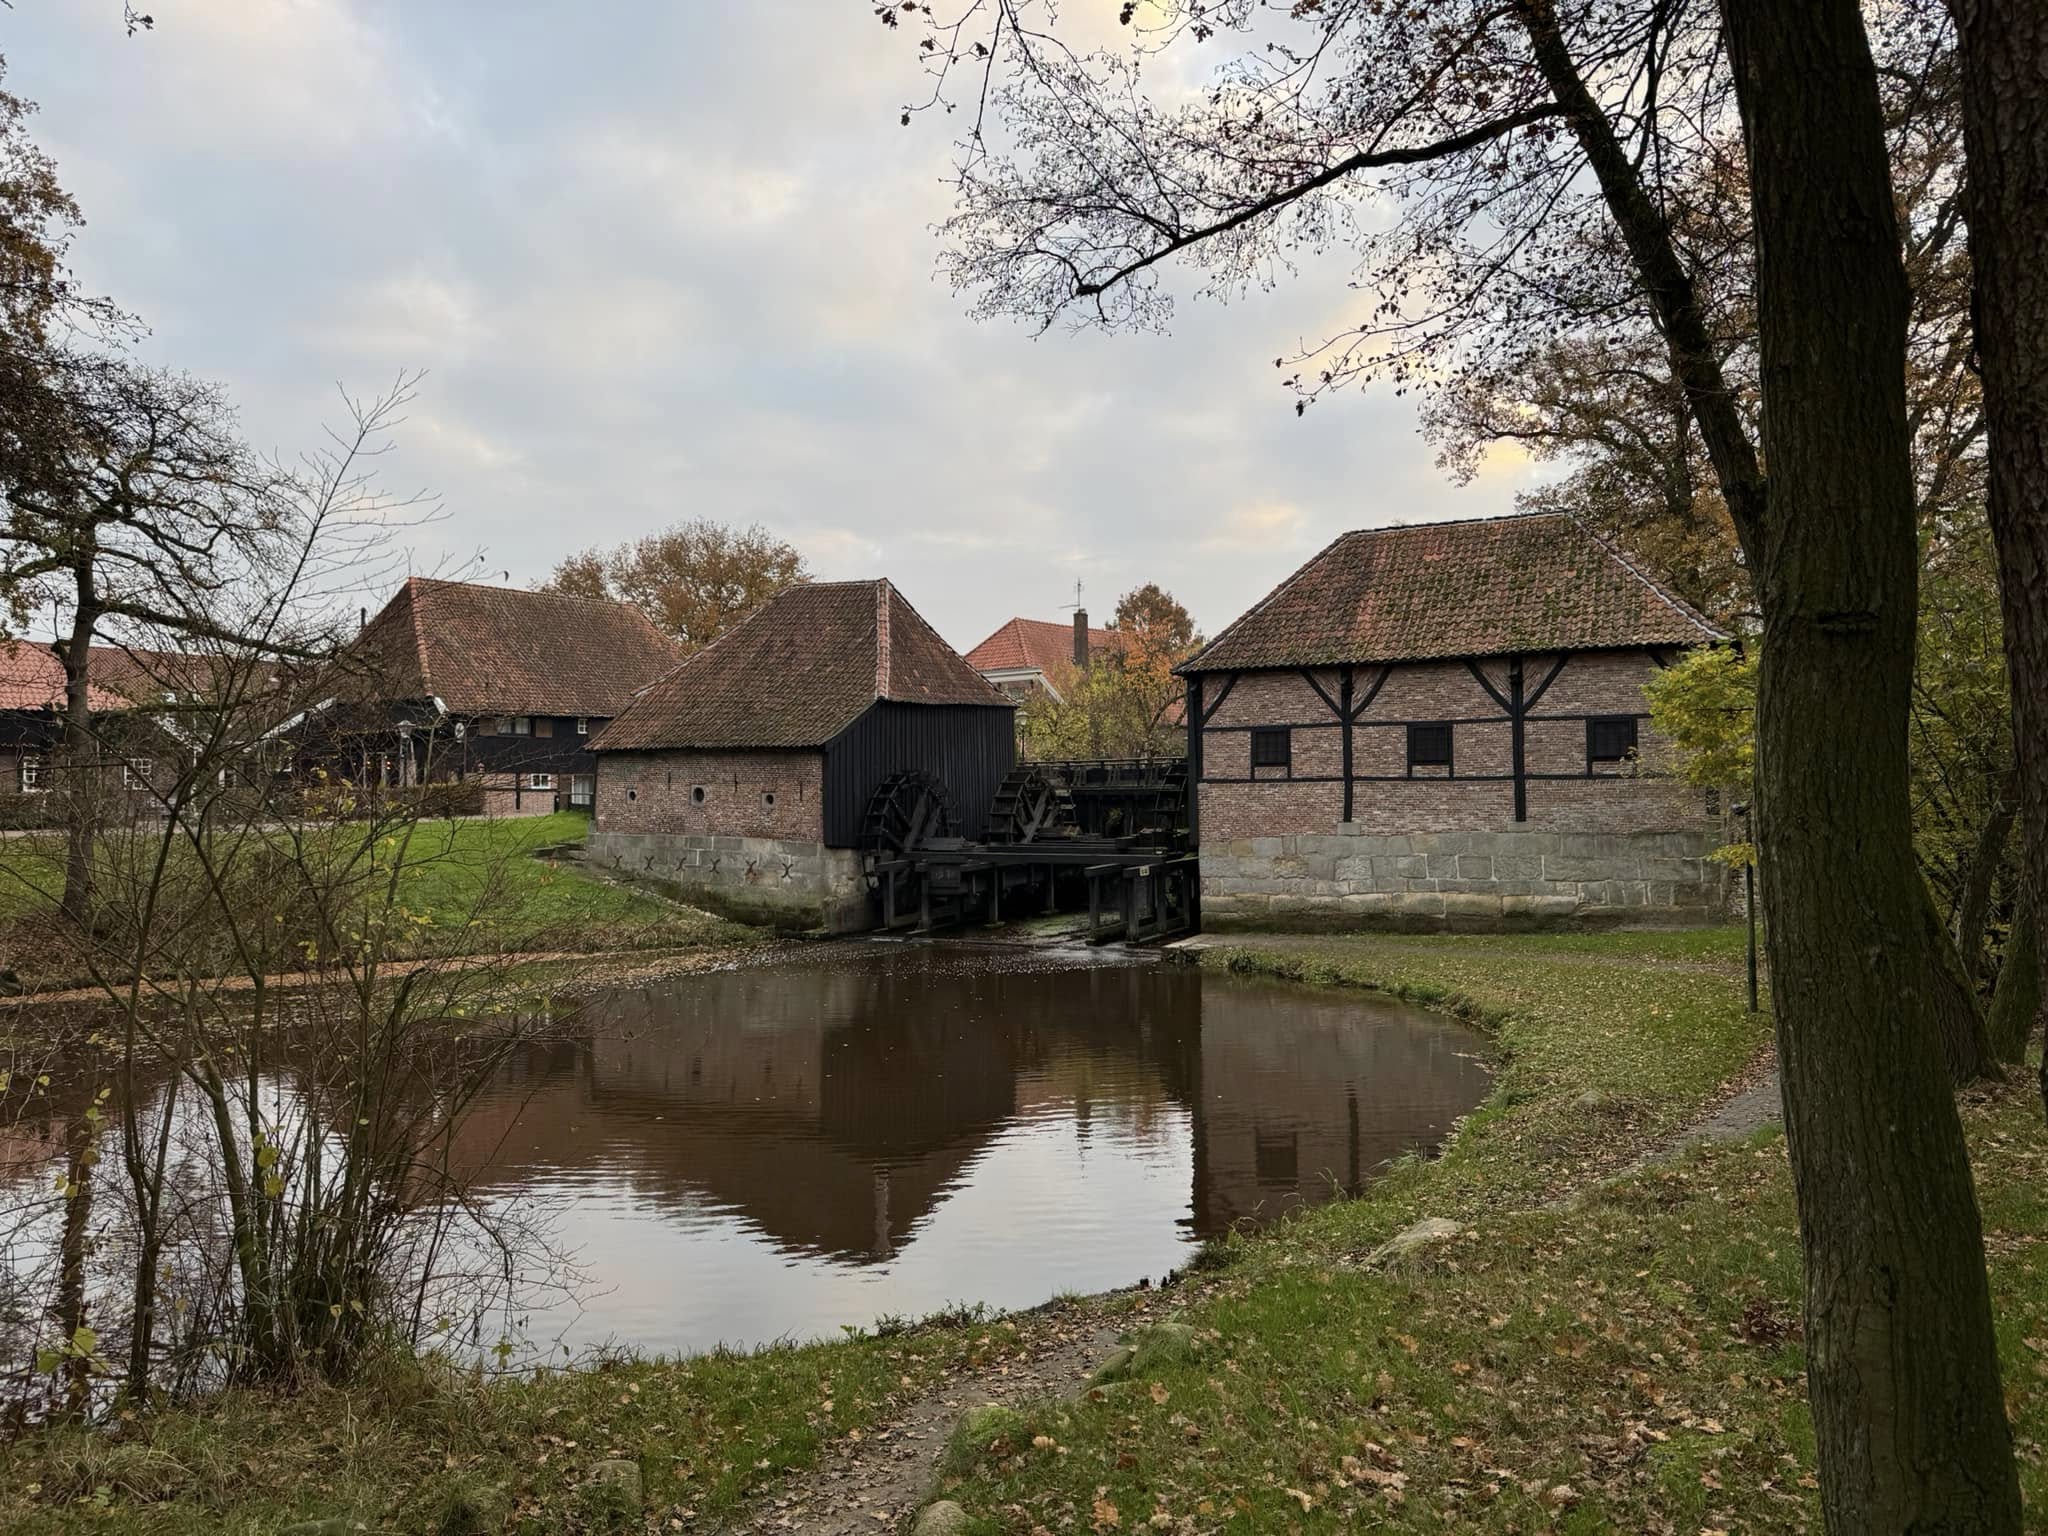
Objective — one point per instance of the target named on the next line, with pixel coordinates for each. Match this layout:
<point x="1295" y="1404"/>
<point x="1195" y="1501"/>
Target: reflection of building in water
<point x="831" y="1107"/>
<point x="834" y="1104"/>
<point x="1303" y="1096"/>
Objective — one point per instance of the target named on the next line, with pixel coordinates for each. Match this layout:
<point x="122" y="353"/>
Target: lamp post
<point x="1741" y="808"/>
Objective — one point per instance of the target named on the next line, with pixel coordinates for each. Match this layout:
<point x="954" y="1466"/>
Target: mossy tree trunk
<point x="1909" y="1413"/>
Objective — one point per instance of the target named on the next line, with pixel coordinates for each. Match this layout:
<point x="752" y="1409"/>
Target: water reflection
<point x="790" y="1147"/>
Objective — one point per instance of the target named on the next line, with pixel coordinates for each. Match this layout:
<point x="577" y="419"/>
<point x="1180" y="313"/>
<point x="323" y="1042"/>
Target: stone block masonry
<point x="788" y="883"/>
<point x="1349" y="877"/>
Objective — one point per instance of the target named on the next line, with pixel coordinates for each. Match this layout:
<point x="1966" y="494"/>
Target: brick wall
<point x="1263" y="842"/>
<point x="659" y="792"/>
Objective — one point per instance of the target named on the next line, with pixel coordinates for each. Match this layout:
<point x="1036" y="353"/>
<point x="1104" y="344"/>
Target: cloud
<point x="1264" y="525"/>
<point x="677" y="261"/>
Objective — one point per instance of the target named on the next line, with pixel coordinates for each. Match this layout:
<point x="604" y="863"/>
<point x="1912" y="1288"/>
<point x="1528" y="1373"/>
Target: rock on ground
<point x="1426" y="1233"/>
<point x="941" y="1518"/>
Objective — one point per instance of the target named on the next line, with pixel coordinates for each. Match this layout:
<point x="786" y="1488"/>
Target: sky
<point x="667" y="260"/>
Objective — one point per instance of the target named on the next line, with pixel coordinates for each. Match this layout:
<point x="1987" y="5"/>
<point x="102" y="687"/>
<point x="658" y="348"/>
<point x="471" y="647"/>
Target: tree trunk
<point x="1982" y="876"/>
<point x="78" y="773"/>
<point x="2004" y="47"/>
<point x="73" y="1251"/>
<point x="1909" y="1415"/>
<point x="1965" y="1040"/>
<point x="2018" y="998"/>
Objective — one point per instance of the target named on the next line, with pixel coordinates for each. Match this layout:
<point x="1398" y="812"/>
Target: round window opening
<point x="697" y="794"/>
<point x="632" y="794"/>
<point x="768" y="799"/>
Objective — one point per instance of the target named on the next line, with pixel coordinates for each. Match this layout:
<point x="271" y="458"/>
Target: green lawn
<point x="465" y="886"/>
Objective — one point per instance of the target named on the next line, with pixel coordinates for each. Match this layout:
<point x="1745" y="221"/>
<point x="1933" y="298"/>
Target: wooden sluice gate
<point x="1110" y="836"/>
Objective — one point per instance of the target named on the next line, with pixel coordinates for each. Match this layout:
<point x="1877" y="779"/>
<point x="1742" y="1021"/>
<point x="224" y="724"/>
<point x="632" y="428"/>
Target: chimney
<point x="1081" y="638"/>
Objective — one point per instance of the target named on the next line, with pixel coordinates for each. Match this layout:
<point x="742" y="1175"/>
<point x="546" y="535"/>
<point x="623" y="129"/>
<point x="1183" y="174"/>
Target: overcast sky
<point x="675" y="259"/>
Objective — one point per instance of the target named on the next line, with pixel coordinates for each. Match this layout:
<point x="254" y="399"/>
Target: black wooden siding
<point x="968" y="747"/>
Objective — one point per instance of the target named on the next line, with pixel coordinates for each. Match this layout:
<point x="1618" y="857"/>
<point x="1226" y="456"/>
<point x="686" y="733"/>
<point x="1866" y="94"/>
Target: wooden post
<point x="1515" y="711"/>
<point x="1344" y="680"/>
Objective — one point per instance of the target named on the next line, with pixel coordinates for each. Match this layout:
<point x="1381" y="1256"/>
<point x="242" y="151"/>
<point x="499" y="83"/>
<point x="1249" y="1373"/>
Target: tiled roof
<point x="145" y="676"/>
<point x="1036" y="645"/>
<point x="797" y="671"/>
<point x="1484" y="587"/>
<point x="499" y="650"/>
<point x="31" y="677"/>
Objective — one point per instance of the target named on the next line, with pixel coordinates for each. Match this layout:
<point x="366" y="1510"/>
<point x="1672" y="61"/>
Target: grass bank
<point x="477" y="887"/>
<point x="1629" y="1360"/>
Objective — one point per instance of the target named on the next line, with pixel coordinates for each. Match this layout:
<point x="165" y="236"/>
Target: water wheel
<point x="906" y="811"/>
<point x="1033" y="802"/>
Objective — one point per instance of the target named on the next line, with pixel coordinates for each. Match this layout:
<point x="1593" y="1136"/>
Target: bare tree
<point x="136" y="502"/>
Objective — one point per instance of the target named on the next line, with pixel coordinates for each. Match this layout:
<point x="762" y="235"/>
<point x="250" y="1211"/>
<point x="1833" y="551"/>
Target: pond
<point x="883" y="1129"/>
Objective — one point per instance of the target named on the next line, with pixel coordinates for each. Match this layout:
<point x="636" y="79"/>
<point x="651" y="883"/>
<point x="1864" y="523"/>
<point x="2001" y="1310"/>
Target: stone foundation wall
<point x="1353" y="878"/>
<point x="789" y="883"/>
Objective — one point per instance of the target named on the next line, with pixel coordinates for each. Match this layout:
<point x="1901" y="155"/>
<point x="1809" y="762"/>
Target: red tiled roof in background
<point x="500" y="650"/>
<point x="798" y="670"/>
<point x="1036" y="645"/>
<point x="31" y="677"/>
<point x="1483" y="587"/>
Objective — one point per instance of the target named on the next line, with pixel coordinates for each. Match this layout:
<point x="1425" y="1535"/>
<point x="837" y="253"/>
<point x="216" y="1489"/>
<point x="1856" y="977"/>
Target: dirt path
<point x="617" y="967"/>
<point x="877" y="1483"/>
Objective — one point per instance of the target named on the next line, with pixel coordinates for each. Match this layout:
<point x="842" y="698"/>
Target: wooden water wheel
<point x="906" y="811"/>
<point x="1033" y="802"/>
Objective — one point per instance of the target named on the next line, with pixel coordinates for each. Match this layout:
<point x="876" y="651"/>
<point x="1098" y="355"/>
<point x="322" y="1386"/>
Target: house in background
<point x="32" y="718"/>
<point x="746" y="775"/>
<point x="454" y="681"/>
<point x="1445" y="723"/>
<point x="1028" y="656"/>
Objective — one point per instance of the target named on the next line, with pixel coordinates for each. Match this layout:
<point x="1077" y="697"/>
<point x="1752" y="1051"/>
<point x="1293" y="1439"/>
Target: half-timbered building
<point x="493" y="687"/>
<point x="749" y="775"/>
<point x="1445" y="723"/>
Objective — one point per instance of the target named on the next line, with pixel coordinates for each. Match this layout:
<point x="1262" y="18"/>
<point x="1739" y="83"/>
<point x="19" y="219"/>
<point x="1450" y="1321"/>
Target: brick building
<point x="745" y="776"/>
<point x="1445" y="724"/>
<point x="1028" y="656"/>
<point x="31" y="722"/>
<point x="506" y="688"/>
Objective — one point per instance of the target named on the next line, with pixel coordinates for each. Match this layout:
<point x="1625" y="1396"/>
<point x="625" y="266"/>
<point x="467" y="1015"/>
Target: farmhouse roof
<point x="798" y="670"/>
<point x="31" y="677"/>
<point x="500" y="650"/>
<point x="1037" y="645"/>
<point x="1494" y="586"/>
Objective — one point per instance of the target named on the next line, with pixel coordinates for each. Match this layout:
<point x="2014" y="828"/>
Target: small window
<point x="696" y="794"/>
<point x="35" y="775"/>
<point x="1429" y="746"/>
<point x="1272" y="748"/>
<point x="543" y="726"/>
<point x="135" y="773"/>
<point x="767" y="799"/>
<point x="540" y="781"/>
<point x="516" y="725"/>
<point x="1611" y="740"/>
<point x="632" y="794"/>
<point x="583" y="725"/>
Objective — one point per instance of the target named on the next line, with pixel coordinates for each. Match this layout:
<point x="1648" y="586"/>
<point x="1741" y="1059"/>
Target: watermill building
<point x="746" y="776"/>
<point x="1445" y="723"/>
